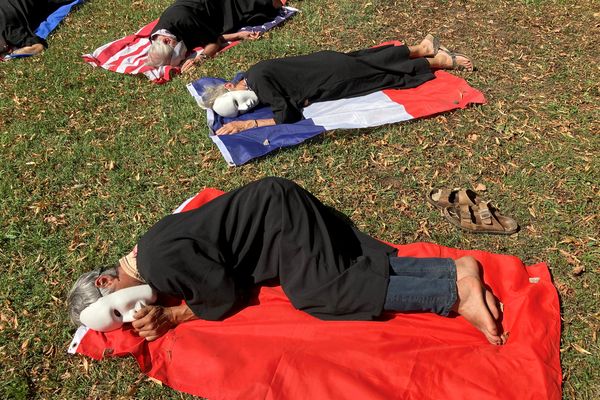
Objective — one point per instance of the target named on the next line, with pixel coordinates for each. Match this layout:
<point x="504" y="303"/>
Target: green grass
<point x="91" y="159"/>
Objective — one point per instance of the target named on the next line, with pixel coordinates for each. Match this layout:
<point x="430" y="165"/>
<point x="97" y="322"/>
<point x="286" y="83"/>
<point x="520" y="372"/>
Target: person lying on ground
<point x="272" y="230"/>
<point x="18" y="21"/>
<point x="210" y="24"/>
<point x="289" y="84"/>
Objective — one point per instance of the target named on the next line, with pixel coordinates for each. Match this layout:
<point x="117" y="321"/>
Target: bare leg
<point x="33" y="49"/>
<point x="443" y="60"/>
<point x="476" y="304"/>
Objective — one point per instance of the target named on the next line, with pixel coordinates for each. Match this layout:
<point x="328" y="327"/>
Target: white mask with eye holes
<point x="236" y="102"/>
<point x="112" y="311"/>
<point x="179" y="52"/>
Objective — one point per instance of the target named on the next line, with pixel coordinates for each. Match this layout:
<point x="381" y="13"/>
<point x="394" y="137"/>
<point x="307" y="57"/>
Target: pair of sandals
<point x="455" y="65"/>
<point x="465" y="209"/>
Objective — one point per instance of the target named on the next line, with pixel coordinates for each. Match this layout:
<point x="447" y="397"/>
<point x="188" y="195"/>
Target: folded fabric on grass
<point x="47" y="26"/>
<point x="269" y="350"/>
<point x="446" y="92"/>
<point x="128" y="55"/>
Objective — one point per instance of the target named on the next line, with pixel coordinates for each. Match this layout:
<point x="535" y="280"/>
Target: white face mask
<point x="235" y="102"/>
<point x="111" y="311"/>
<point x="179" y="52"/>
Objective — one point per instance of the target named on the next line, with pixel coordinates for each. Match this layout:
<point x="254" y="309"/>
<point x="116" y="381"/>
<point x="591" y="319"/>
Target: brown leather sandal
<point x="444" y="198"/>
<point x="479" y="217"/>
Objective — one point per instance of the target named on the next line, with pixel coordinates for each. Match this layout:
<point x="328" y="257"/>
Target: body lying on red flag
<point x="271" y="350"/>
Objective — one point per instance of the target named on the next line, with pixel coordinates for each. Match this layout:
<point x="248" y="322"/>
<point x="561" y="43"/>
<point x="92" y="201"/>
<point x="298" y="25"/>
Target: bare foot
<point x="472" y="306"/>
<point x="33" y="49"/>
<point x="443" y="60"/>
<point x="429" y="46"/>
<point x="476" y="304"/>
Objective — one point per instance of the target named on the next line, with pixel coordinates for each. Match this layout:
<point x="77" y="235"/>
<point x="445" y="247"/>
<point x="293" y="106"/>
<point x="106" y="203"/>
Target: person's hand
<point x="151" y="322"/>
<point x="192" y="62"/>
<point x="249" y="35"/>
<point x="236" y="126"/>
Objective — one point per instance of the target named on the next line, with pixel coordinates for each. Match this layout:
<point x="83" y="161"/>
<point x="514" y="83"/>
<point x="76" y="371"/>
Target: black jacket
<point x="271" y="229"/>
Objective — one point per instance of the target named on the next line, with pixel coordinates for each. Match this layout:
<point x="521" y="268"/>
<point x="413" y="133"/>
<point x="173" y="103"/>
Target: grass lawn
<point x="91" y="159"/>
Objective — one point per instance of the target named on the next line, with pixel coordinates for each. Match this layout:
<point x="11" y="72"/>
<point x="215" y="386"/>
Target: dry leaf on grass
<point x="155" y="381"/>
<point x="570" y="258"/>
<point x="580" y="349"/>
<point x="480" y="187"/>
<point x="578" y="270"/>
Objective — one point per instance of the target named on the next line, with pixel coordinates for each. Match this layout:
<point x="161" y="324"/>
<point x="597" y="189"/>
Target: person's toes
<point x="488" y="327"/>
<point x="492" y="304"/>
<point x="473" y="307"/>
<point x="464" y="62"/>
<point x="491" y="332"/>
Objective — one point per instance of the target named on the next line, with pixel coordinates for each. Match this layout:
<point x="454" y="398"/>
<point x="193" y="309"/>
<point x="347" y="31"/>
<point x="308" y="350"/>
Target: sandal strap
<point x="478" y="215"/>
<point x="485" y="213"/>
<point x="466" y="217"/>
<point x="445" y="197"/>
<point x="464" y="198"/>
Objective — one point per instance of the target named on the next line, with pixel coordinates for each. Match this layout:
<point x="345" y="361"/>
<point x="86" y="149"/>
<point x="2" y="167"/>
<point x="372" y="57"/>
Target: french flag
<point x="444" y="93"/>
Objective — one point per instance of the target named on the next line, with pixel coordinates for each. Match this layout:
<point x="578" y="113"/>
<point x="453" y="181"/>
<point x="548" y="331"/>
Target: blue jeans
<point x="421" y="284"/>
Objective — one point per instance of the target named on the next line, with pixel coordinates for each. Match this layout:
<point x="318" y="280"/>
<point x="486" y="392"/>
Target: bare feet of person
<point x="33" y="49"/>
<point x="427" y="48"/>
<point x="445" y="59"/>
<point x="430" y="45"/>
<point x="476" y="304"/>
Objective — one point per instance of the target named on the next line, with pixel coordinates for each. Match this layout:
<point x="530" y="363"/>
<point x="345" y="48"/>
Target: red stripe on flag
<point x="202" y="198"/>
<point x="446" y="92"/>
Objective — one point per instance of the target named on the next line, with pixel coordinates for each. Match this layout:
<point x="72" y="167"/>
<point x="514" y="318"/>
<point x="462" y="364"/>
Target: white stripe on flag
<point x="359" y="112"/>
<point x="190" y="87"/>
<point x="182" y="206"/>
<point x="77" y="337"/>
<point x="128" y="61"/>
<point x="223" y="149"/>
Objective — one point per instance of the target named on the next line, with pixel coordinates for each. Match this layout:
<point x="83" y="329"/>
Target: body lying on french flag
<point x="444" y="93"/>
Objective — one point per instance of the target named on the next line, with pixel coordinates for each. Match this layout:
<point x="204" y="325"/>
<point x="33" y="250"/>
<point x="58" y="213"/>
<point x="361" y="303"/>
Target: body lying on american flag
<point x="129" y="55"/>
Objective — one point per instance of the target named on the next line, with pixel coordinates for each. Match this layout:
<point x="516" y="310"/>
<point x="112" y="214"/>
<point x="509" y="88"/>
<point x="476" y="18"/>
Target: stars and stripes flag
<point x="128" y="55"/>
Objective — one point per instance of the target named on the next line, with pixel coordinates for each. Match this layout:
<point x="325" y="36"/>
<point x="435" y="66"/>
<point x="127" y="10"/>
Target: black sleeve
<point x="189" y="270"/>
<point x="284" y="111"/>
<point x="272" y="90"/>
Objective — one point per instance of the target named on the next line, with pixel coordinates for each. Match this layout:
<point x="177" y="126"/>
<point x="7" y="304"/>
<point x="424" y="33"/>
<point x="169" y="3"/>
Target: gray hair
<point x="85" y="292"/>
<point x="212" y="93"/>
<point x="159" y="54"/>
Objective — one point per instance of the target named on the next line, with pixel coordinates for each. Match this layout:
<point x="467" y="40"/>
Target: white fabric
<point x="179" y="53"/>
<point x="79" y="334"/>
<point x="163" y="32"/>
<point x="358" y="112"/>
